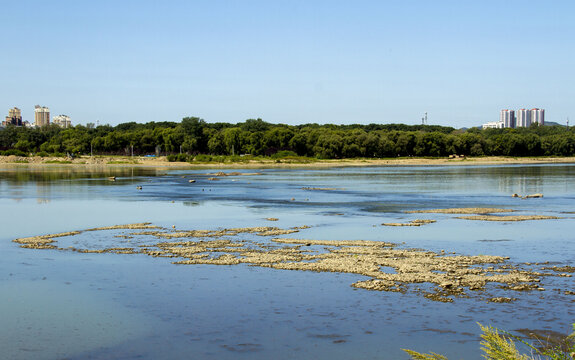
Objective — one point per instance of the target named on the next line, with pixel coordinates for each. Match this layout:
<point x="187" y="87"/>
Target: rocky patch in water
<point x="439" y="276"/>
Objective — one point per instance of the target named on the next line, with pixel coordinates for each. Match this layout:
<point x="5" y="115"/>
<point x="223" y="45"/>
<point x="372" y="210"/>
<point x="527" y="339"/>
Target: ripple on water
<point x="47" y="327"/>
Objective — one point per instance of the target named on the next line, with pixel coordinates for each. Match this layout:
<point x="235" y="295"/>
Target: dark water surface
<point x="57" y="304"/>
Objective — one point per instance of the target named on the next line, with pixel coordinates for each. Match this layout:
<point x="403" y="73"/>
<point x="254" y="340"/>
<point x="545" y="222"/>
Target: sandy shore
<point x="255" y="164"/>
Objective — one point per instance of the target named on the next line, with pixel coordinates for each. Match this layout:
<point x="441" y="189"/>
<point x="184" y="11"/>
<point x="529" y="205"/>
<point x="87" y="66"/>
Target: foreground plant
<point x="500" y="345"/>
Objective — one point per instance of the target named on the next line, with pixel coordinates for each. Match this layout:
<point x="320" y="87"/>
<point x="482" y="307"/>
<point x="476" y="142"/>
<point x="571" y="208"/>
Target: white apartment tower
<point x="507" y="118"/>
<point x="538" y="116"/>
<point x="523" y="118"/>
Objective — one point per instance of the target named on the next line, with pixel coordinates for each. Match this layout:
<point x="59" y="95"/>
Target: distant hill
<point x="551" y="123"/>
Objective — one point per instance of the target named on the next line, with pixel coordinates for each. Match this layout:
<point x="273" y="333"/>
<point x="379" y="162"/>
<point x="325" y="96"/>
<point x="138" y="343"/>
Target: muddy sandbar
<point x="461" y="211"/>
<point x="437" y="276"/>
<point x="507" y="218"/>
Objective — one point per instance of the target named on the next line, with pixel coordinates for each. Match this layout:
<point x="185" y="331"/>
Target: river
<point x="59" y="303"/>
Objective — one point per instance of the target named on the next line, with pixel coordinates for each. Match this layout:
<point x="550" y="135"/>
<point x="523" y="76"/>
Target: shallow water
<point x="58" y="304"/>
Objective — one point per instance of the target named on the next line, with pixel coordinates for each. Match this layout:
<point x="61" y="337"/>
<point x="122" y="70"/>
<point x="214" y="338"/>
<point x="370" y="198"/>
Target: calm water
<point x="57" y="304"/>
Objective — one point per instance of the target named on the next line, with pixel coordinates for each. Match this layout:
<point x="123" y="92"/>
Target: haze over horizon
<point x="291" y="62"/>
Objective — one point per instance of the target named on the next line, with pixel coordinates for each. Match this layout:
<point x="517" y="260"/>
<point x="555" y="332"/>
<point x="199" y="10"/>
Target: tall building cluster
<point x="41" y="118"/>
<point x="527" y="117"/>
<point x="521" y="118"/>
<point x="14" y="117"/>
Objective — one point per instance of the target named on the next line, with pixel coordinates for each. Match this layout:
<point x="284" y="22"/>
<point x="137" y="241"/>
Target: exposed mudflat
<point x="379" y="265"/>
<point x="416" y="222"/>
<point x="483" y="214"/>
<point x="508" y="218"/>
<point x="461" y="211"/>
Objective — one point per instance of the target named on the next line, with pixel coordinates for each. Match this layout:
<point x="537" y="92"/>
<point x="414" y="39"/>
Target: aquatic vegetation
<point x="416" y="222"/>
<point x="501" y="345"/>
<point x="438" y="276"/>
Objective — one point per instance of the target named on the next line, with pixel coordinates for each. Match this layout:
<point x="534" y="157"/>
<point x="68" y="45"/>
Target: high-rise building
<point x="14" y="117"/>
<point x="62" y="121"/>
<point x="507" y="117"/>
<point x="523" y="118"/>
<point x="538" y="116"/>
<point x="41" y="116"/>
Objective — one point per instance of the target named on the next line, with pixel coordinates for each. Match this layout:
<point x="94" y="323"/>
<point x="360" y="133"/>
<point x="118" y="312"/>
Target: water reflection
<point x="22" y="174"/>
<point x="351" y="188"/>
<point x="57" y="181"/>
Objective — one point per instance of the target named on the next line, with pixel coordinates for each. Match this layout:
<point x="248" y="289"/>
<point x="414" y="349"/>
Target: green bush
<point x="183" y="157"/>
<point x="219" y="159"/>
<point x="178" y="158"/>
<point x="14" y="152"/>
<point x="203" y="158"/>
<point x="500" y="345"/>
<point x="284" y="154"/>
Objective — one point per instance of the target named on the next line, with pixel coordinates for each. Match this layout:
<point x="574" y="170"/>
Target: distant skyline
<point x="288" y="61"/>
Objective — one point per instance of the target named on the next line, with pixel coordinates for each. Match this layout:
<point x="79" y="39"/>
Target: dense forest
<point x="194" y="136"/>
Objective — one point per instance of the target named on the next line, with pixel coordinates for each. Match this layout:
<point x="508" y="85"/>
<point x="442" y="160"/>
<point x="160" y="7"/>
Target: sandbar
<point x="162" y="162"/>
<point x="382" y="266"/>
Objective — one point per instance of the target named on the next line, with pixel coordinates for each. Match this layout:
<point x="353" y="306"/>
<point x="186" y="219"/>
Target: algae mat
<point x="379" y="265"/>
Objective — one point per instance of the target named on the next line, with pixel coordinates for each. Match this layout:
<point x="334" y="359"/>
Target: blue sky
<point x="288" y="61"/>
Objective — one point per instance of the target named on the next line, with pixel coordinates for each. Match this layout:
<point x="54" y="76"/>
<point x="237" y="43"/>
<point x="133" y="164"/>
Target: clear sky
<point x="288" y="61"/>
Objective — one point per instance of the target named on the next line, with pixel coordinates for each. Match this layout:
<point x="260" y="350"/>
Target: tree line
<point x="194" y="136"/>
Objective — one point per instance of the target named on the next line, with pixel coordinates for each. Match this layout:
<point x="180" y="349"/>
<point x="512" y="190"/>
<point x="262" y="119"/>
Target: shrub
<point x="178" y="157"/>
<point x="183" y="157"/>
<point x="14" y="152"/>
<point x="500" y="345"/>
<point x="171" y="158"/>
<point x="203" y="158"/>
<point x="284" y="154"/>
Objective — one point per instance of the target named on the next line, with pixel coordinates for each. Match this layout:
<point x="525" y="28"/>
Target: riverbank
<point x="275" y="163"/>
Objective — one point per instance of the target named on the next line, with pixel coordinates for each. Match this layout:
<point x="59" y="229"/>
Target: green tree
<point x="232" y="140"/>
<point x="278" y="138"/>
<point x="216" y="144"/>
<point x="255" y="125"/>
<point x="329" y="146"/>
